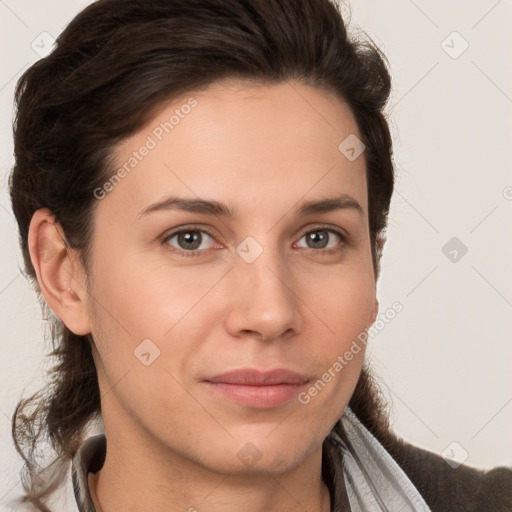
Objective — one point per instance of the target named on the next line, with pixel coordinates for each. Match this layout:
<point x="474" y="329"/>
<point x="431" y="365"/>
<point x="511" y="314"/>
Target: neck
<point x="141" y="474"/>
<point x="127" y="484"/>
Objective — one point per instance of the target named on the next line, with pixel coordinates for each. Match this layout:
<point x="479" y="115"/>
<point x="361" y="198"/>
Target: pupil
<point x="191" y="239"/>
<point x="318" y="238"/>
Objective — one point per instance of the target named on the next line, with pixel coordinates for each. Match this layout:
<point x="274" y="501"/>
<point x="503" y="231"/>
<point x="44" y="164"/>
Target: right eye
<point x="189" y="242"/>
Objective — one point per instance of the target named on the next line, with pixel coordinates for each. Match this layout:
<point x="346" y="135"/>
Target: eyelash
<point x="197" y="252"/>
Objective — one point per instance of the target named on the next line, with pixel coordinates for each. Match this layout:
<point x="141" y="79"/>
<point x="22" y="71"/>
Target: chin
<point x="259" y="456"/>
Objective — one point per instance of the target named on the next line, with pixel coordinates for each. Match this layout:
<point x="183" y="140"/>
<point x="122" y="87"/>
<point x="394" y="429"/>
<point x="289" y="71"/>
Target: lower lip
<point x="261" y="397"/>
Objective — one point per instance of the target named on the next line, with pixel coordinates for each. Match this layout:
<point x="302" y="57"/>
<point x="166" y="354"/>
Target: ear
<point x="59" y="272"/>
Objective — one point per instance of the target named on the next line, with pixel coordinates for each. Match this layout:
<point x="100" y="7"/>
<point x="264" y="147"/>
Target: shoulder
<point x="452" y="488"/>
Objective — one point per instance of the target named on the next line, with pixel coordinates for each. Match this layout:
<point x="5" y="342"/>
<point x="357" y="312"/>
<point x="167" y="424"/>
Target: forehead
<point x="246" y="144"/>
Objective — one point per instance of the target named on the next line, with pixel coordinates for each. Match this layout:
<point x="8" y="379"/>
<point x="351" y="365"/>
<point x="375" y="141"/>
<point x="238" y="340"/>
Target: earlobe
<point x="59" y="273"/>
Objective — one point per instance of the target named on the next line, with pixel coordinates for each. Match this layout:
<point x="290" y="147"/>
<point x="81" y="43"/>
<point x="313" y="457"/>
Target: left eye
<point x="320" y="238"/>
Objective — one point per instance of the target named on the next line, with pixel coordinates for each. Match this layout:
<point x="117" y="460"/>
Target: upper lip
<point x="253" y="377"/>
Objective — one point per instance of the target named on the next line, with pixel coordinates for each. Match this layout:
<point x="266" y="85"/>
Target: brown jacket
<point x="444" y="488"/>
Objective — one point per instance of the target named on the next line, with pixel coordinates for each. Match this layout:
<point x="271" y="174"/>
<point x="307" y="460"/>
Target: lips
<point x="250" y="377"/>
<point x="257" y="389"/>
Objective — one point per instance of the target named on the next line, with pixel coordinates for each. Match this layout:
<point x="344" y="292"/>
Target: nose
<point x="263" y="303"/>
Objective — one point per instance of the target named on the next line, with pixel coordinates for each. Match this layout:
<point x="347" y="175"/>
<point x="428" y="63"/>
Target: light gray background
<point x="445" y="360"/>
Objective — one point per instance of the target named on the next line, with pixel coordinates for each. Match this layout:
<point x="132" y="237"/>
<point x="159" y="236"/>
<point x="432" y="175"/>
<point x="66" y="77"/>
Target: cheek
<point x="145" y="337"/>
<point x="344" y="313"/>
<point x="159" y="317"/>
<point x="149" y="301"/>
<point x="345" y="301"/>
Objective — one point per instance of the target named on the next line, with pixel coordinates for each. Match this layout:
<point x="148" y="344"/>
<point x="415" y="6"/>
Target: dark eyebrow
<point x="215" y="208"/>
<point x="328" y="205"/>
<point x="189" y="205"/>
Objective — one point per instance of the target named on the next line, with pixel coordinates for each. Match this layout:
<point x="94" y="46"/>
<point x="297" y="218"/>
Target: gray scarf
<point x="373" y="480"/>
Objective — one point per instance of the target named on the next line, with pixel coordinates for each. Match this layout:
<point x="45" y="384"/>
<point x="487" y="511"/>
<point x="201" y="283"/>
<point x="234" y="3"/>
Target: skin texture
<point x="172" y="441"/>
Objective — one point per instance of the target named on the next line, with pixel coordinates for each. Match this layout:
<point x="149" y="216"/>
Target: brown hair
<point x="115" y="63"/>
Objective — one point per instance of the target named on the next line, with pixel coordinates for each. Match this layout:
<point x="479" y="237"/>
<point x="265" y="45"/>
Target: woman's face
<point x="272" y="287"/>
